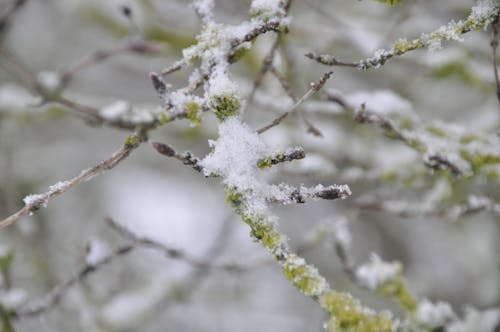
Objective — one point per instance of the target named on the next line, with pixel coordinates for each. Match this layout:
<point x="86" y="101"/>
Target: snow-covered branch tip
<point x="482" y="14"/>
<point x="417" y="137"/>
<point x="37" y="201"/>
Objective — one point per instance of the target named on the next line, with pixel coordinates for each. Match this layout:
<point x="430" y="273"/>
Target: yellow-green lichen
<point x="436" y="131"/>
<point x="132" y="141"/>
<point x="238" y="54"/>
<point x="458" y="70"/>
<point x="163" y="118"/>
<point x="397" y="289"/>
<point x="347" y="314"/>
<point x="390" y="2"/>
<point x="263" y="231"/>
<point x="261" y="228"/>
<point x="468" y="139"/>
<point x="265" y="162"/>
<point x="225" y="106"/>
<point x="478" y="160"/>
<point x="6" y="320"/>
<point x="193" y="112"/>
<point x="389" y="176"/>
<point x="303" y="276"/>
<point x="417" y="145"/>
<point x="234" y="198"/>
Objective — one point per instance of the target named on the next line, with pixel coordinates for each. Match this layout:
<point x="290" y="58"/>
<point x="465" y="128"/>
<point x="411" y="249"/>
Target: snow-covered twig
<point x="410" y="209"/>
<point x="433" y="160"/>
<point x="281" y="157"/>
<point x="186" y="158"/>
<point x="482" y="14"/>
<point x="35" y="202"/>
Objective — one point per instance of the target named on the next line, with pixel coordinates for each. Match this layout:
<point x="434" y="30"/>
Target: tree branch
<point x="35" y="202"/>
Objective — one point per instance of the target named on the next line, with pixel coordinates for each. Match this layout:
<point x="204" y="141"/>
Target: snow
<point x="123" y="111"/>
<point x="97" y="250"/>
<point x="43" y="199"/>
<point x="15" y="97"/>
<point x="267" y="8"/>
<point x="115" y="110"/>
<point x="204" y="8"/>
<point x="49" y="80"/>
<point x="12" y="298"/>
<point x="476" y="321"/>
<point x="35" y="199"/>
<point x="234" y="157"/>
<point x="377" y="272"/>
<point x="219" y="82"/>
<point x="482" y="10"/>
<point x="434" y="315"/>
<point x="58" y="186"/>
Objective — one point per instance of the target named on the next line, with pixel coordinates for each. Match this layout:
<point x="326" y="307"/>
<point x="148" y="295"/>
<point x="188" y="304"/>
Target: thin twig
<point x="266" y="65"/>
<point x="186" y="158"/>
<point x="494" y="46"/>
<point x="56" y="294"/>
<point x="403" y="209"/>
<point x="362" y="115"/>
<point x="35" y="202"/>
<point x="285" y="84"/>
<point x="315" y="87"/>
<point x="178" y="254"/>
<point x="134" y="46"/>
<point x="6" y="16"/>
<point x="329" y="60"/>
<point x="400" y="47"/>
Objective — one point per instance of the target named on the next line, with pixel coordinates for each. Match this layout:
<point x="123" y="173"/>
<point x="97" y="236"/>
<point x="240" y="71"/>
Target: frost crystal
<point x="434" y="315"/>
<point x="377" y="272"/>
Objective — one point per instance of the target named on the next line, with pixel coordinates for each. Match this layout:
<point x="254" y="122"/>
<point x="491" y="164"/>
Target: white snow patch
<point x="434" y="314"/>
<point x="375" y="273"/>
<point x="12" y="298"/>
<point x="49" y="80"/>
<point x="476" y="321"/>
<point x="97" y="250"/>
